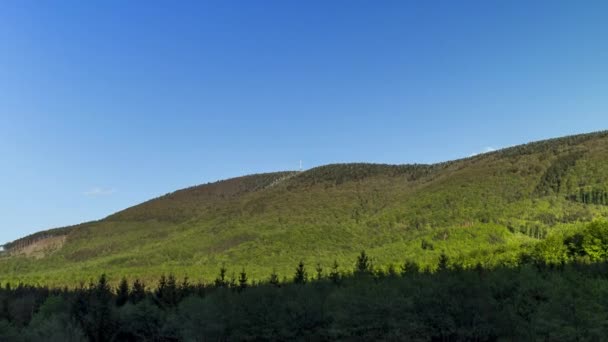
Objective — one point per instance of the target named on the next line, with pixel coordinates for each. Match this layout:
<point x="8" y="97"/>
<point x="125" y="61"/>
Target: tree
<point x="162" y="284"/>
<point x="122" y="293"/>
<point x="185" y="289"/>
<point x="232" y="284"/>
<point x="220" y="281"/>
<point x="363" y="265"/>
<point x="442" y="266"/>
<point x="392" y="271"/>
<point x="334" y="274"/>
<point x="166" y="293"/>
<point x="410" y="267"/>
<point x="319" y="270"/>
<point x="242" y="280"/>
<point x="301" y="276"/>
<point x="138" y="292"/>
<point x="595" y="241"/>
<point x="99" y="321"/>
<point x="274" y="279"/>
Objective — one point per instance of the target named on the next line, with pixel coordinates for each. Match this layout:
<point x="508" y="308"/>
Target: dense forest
<point x="489" y="209"/>
<point x="559" y="292"/>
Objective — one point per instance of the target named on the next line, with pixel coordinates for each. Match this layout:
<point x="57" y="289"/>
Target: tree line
<point x="557" y="292"/>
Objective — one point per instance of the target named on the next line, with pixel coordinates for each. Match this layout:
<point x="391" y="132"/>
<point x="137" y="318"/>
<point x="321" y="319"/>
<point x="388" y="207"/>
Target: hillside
<point x="485" y="209"/>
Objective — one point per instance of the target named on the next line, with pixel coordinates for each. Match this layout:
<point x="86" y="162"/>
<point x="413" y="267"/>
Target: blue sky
<point x="106" y="104"/>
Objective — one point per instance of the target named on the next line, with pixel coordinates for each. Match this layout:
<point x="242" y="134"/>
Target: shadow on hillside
<point x="533" y="301"/>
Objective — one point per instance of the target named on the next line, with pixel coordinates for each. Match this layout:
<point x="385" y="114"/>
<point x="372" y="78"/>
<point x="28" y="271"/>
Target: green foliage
<point x="334" y="274"/>
<point x="595" y="241"/>
<point x="138" y="292"/>
<point x="243" y="280"/>
<point x="487" y="209"/>
<point x="363" y="265"/>
<point x="122" y="293"/>
<point x="301" y="276"/>
<point x="523" y="303"/>
<point x="590" y="243"/>
<point x="551" y="181"/>
<point x="143" y="321"/>
<point x="274" y="279"/>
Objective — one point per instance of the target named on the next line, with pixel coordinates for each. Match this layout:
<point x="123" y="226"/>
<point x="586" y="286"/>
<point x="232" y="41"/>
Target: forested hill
<point x="488" y="209"/>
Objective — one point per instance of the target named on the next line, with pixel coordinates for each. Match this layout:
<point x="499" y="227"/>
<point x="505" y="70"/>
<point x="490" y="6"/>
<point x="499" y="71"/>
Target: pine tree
<point x="363" y="265"/>
<point x="171" y="293"/>
<point x="166" y="293"/>
<point x="220" y="281"/>
<point x="242" y="280"/>
<point x="274" y="279"/>
<point x="185" y="289"/>
<point x="392" y="272"/>
<point x="122" y="293"/>
<point x="410" y="267"/>
<point x="162" y="284"/>
<point x="233" y="283"/>
<point x="319" y="270"/>
<point x="334" y="274"/>
<point x="442" y="266"/>
<point x="138" y="292"/>
<point x="301" y="276"/>
<point x="101" y="325"/>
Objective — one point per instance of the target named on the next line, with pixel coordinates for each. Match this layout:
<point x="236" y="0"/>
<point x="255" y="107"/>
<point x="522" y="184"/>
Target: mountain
<point x="488" y="209"/>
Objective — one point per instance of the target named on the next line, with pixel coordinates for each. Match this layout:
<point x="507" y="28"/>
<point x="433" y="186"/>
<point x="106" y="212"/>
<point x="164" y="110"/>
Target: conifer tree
<point x="233" y="282"/>
<point x="162" y="284"/>
<point x="319" y="270"/>
<point x="138" y="292"/>
<point x="442" y="266"/>
<point x="100" y="325"/>
<point x="392" y="272"/>
<point x="185" y="289"/>
<point x="363" y="265"/>
<point x="242" y="280"/>
<point x="220" y="281"/>
<point x="171" y="293"/>
<point x="122" y="293"/>
<point x="274" y="279"/>
<point x="301" y="276"/>
<point x="334" y="274"/>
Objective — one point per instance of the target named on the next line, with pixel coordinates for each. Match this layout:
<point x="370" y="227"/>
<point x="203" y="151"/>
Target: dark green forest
<point x="558" y="292"/>
<point x="507" y="246"/>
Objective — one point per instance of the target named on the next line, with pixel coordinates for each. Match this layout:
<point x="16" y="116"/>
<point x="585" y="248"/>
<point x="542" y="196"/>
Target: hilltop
<point x="484" y="209"/>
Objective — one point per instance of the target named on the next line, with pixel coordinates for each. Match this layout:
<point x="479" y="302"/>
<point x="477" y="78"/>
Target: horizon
<point x="108" y="105"/>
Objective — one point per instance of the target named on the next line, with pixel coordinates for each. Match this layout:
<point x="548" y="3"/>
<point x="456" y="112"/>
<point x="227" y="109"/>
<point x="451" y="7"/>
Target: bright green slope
<point x="485" y="209"/>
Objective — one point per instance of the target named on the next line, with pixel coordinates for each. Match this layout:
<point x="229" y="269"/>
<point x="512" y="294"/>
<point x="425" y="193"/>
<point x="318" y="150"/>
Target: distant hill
<point x="484" y="209"/>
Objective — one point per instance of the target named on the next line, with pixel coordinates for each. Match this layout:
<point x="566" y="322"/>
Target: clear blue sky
<point x="104" y="104"/>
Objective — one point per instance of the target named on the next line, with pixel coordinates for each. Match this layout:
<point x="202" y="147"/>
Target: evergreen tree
<point x="319" y="270"/>
<point x="392" y="272"/>
<point x="167" y="292"/>
<point x="442" y="266"/>
<point x="171" y="292"/>
<point x="274" y="279"/>
<point x="122" y="293"/>
<point x="185" y="289"/>
<point x="301" y="277"/>
<point x="138" y="292"/>
<point x="220" y="281"/>
<point x="162" y="285"/>
<point x="410" y="267"/>
<point x="99" y="324"/>
<point x="334" y="274"/>
<point x="363" y="265"/>
<point x="242" y="280"/>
